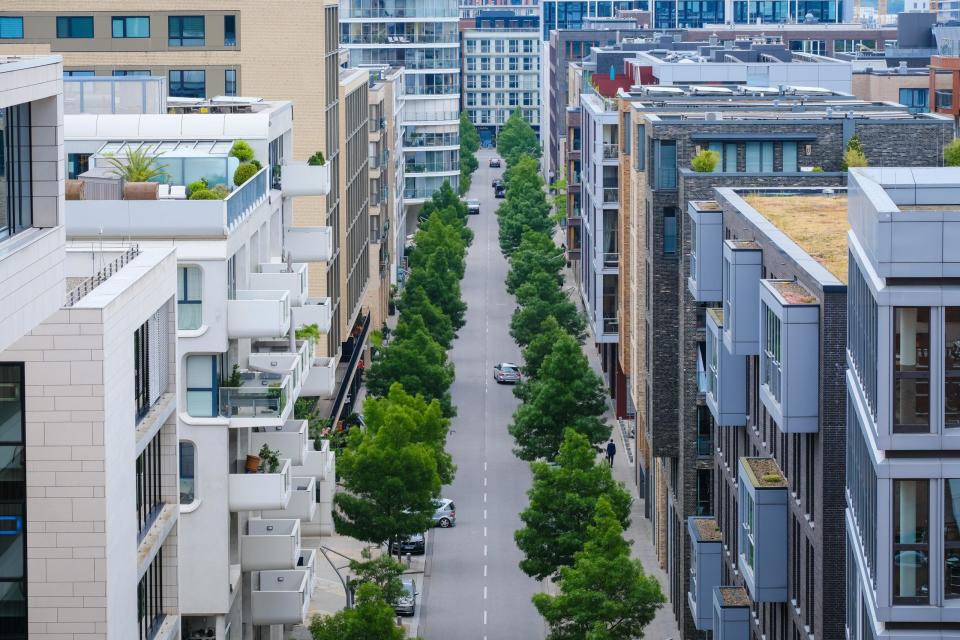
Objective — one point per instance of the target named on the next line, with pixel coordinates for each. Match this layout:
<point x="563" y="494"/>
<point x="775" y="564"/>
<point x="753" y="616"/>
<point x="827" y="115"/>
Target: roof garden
<point x="817" y="222"/>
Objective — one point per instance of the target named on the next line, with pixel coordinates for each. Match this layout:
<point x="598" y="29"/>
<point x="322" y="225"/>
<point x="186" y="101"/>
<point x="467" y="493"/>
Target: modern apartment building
<point x="501" y="71"/>
<point x="424" y="39"/>
<point x="676" y="14"/>
<point x="901" y="514"/>
<point x="472" y="8"/>
<point x="762" y="140"/>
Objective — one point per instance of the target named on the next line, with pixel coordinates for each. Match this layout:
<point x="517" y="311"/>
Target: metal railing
<point x="355" y="346"/>
<point x="611" y="325"/>
<point x="611" y="195"/>
<point x="91" y="283"/>
<point x="611" y="151"/>
<point x="611" y="260"/>
<point x="427" y="167"/>
<point x="242" y="200"/>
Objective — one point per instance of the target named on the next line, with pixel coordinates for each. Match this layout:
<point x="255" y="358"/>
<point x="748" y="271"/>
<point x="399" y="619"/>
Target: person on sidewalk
<point x="611" y="451"/>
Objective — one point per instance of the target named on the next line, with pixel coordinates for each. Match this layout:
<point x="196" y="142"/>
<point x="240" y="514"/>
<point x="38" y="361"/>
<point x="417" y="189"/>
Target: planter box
<point x="305" y="180"/>
<point x="706" y="256"/>
<point x="270" y="544"/>
<point x="280" y="597"/>
<point x="741" y="297"/>
<point x="726" y="375"/>
<point x="259" y="491"/>
<point x="258" y="314"/>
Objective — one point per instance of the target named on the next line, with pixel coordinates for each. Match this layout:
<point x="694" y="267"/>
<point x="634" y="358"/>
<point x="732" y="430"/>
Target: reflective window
<point x="189" y="298"/>
<point x="188" y="472"/>
<point x="230" y="82"/>
<point x="11" y="27"/>
<point x="202" y="386"/>
<point x="186" y="31"/>
<point x="130" y="27"/>
<point x="229" y="31"/>
<point x="911" y="541"/>
<point x="951" y="367"/>
<point x="16" y="188"/>
<point x="911" y="369"/>
<point x="188" y="83"/>
<point x="74" y="26"/>
<point x="951" y="538"/>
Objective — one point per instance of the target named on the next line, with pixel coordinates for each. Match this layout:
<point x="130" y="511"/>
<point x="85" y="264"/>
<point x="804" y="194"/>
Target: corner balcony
<point x="307" y="561"/>
<point x="290" y="439"/>
<point x="725" y="376"/>
<point x="303" y="501"/>
<point x="315" y="311"/>
<point x="258" y="314"/>
<point x="706" y="255"/>
<point x="322" y="378"/>
<point x="276" y="357"/>
<point x="280" y="277"/>
<point x="706" y="568"/>
<point x="763" y="518"/>
<point x="280" y="597"/>
<point x="308" y="244"/>
<point x="270" y="544"/>
<point x="260" y="490"/>
<point x="261" y="400"/>
<point x="731" y="614"/>
<point x="742" y="265"/>
<point x="305" y="180"/>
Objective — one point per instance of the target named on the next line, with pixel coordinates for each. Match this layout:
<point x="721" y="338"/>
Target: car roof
<point x="507" y="364"/>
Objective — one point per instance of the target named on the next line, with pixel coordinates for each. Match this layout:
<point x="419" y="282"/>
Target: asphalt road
<point x="476" y="589"/>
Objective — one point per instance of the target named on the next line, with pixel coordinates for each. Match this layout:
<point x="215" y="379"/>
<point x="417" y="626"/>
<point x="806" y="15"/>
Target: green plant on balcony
<point x="269" y="459"/>
<point x="197" y="185"/>
<point x="951" y="153"/>
<point x="705" y="161"/>
<point x="244" y="172"/>
<point x="309" y="332"/>
<point x="235" y="380"/>
<point x="242" y="151"/>
<point x="317" y="159"/>
<point x="137" y="166"/>
<point x="273" y="391"/>
<point x="817" y="170"/>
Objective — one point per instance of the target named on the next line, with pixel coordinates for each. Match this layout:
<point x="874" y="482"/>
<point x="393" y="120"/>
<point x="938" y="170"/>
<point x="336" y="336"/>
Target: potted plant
<point x="138" y="169"/>
<point x="234" y="380"/>
<point x="317" y="159"/>
<point x="309" y="332"/>
<point x="269" y="460"/>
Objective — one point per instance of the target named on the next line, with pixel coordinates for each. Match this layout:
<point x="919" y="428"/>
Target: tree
<point x="415" y="360"/>
<point x="542" y="343"/>
<point x="559" y="199"/>
<point x="567" y="394"/>
<point x="951" y="153"/>
<point x="383" y="572"/>
<point x="537" y="253"/>
<point x="525" y="207"/>
<point x="854" y="155"/>
<point x="562" y="505"/>
<point x="605" y="595"/>
<point x="442" y="198"/>
<point x="705" y="161"/>
<point x="540" y="297"/>
<point x="436" y="235"/>
<point x="137" y="166"/>
<point x="439" y="277"/>
<point x="516" y="138"/>
<point x="414" y="302"/>
<point x="469" y="144"/>
<point x="372" y="618"/>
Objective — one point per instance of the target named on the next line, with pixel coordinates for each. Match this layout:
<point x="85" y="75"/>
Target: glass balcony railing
<point x="611" y="325"/>
<point x="611" y="195"/>
<point x="429" y="167"/>
<point x="944" y="99"/>
<point x="246" y="197"/>
<point x="260" y="395"/>
<point x="611" y="260"/>
<point x="611" y="151"/>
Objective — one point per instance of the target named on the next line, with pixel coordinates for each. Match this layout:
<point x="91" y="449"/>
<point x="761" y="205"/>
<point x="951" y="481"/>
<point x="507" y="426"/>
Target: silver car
<point x="506" y="372"/>
<point x="406" y="604"/>
<point x="445" y="515"/>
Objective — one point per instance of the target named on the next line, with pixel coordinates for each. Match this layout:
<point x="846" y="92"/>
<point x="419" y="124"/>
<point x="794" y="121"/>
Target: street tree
<point x="436" y="236"/>
<point x="567" y="394"/>
<point x="517" y="137"/>
<point x="440" y="281"/>
<point x="469" y="144"/>
<point x="605" y="595"/>
<point x="442" y="198"/>
<point x="540" y="298"/>
<point x="371" y="618"/>
<point x="525" y="207"/>
<point x="414" y="302"/>
<point x="562" y="505"/>
<point x="549" y="333"/>
<point x="384" y="572"/>
<point x="536" y="252"/>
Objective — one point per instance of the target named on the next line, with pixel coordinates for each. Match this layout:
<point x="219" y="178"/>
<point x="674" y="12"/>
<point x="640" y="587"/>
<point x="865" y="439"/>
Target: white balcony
<point x="313" y="312"/>
<point x="307" y="561"/>
<point x="305" y="180"/>
<point x="258" y="491"/>
<point x="309" y="244"/>
<point x="290" y="439"/>
<point x="280" y="597"/>
<point x="270" y="544"/>
<point x="303" y="501"/>
<point x="263" y="399"/>
<point x="276" y="357"/>
<point x="317" y="464"/>
<point x="280" y="277"/>
<point x="258" y="314"/>
<point x="322" y="378"/>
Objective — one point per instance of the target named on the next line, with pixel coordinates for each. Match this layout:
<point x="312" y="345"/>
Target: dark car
<point x="500" y="191"/>
<point x="473" y="207"/>
<point x="496" y="182"/>
<point x="414" y="545"/>
<point x="406" y="604"/>
<point x="495" y="163"/>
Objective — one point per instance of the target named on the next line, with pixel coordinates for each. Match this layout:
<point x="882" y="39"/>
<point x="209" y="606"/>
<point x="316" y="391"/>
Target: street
<point x="476" y="589"/>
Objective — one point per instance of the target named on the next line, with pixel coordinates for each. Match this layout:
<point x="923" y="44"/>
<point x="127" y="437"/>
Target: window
<point x="82" y="73"/>
<point x="666" y="164"/>
<point x="141" y="370"/>
<point x="951" y="538"/>
<point x="951" y="367"/>
<point x="74" y="26"/>
<point x="759" y="157"/>
<point x="186" y="31"/>
<point x="130" y="27"/>
<point x="705" y="421"/>
<point x="150" y="597"/>
<point x="911" y="541"/>
<point x="861" y="483"/>
<point x="771" y="352"/>
<point x="188" y="472"/>
<point x="790" y="155"/>
<point x="149" y="485"/>
<point x="915" y="99"/>
<point x="626" y="129"/>
<point x="747" y="547"/>
<point x="670" y="231"/>
<point x="77" y="163"/>
<point x="188" y="83"/>
<point x="229" y="31"/>
<point x="189" y="298"/>
<point x="202" y="386"/>
<point x="11" y="27"/>
<point x="230" y="82"/>
<point x="13" y="495"/>
<point x="15" y="175"/>
<point x="911" y="369"/>
<point x="639" y="159"/>
<point x="704" y="492"/>
<point x="129" y="73"/>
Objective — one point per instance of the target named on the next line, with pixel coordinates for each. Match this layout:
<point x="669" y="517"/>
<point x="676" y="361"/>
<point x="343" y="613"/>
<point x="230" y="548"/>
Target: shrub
<point x="705" y="161"/>
<point x="317" y="159"/>
<point x="242" y="151"/>
<point x="257" y="164"/>
<point x="205" y="194"/>
<point x="817" y="170"/>
<point x="854" y="158"/>
<point x="196" y="185"/>
<point x="243" y="173"/>
<point x="951" y="154"/>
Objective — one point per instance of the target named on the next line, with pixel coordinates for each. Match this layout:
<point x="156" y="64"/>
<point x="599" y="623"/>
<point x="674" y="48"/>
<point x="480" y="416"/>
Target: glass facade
<point x="564" y="14"/>
<point x="911" y="369"/>
<point x="16" y="191"/>
<point x="689" y="14"/>
<point x="911" y="541"/>
<point x="13" y="535"/>
<point x="862" y="314"/>
<point x="861" y="482"/>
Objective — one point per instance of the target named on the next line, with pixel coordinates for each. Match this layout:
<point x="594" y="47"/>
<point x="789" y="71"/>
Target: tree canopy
<point x="517" y="137"/>
<point x="525" y="207"/>
<point x="384" y="572"/>
<point x="372" y="618"/>
<point x="414" y="302"/>
<point x="536" y="253"/>
<point x="469" y="144"/>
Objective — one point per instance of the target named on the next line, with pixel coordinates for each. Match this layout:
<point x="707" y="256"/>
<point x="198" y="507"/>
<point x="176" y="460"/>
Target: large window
<point x="13" y="494"/>
<point x="188" y="472"/>
<point x="150" y="598"/>
<point x="230" y="82"/>
<point x="186" y="31"/>
<point x="670" y="231"/>
<point x="861" y="482"/>
<point x="915" y="99"/>
<point x="862" y="314"/>
<point x="911" y="541"/>
<point x="747" y="543"/>
<point x="789" y="156"/>
<point x="951" y="367"/>
<point x="911" y="369"/>
<point x="951" y="538"/>
<point x="229" y="31"/>
<point x="190" y="83"/>
<point x="759" y="157"/>
<point x="149" y="485"/>
<point x="202" y="386"/>
<point x="771" y="372"/>
<point x="130" y="26"/>
<point x="141" y="370"/>
<point x="666" y="164"/>
<point x="16" y="188"/>
<point x="189" y="298"/>
<point x="11" y="27"/>
<point x="74" y="26"/>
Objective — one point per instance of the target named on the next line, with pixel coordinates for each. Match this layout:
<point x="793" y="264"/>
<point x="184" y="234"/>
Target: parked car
<point x="406" y="604"/>
<point x="473" y="207"/>
<point x="506" y="372"/>
<point x="414" y="544"/>
<point x="494" y="163"/>
<point x="500" y="191"/>
<point x="446" y="514"/>
<point x="496" y="182"/>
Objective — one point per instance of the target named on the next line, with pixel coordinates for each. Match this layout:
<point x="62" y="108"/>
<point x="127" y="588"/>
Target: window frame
<point x="182" y="41"/>
<point x="184" y="295"/>
<point x="170" y="81"/>
<point x="917" y="547"/>
<point x="123" y="21"/>
<point x="671" y="240"/>
<point x="213" y="389"/>
<point x="917" y="374"/>
<point x="229" y="30"/>
<point x="229" y="84"/>
<point x="14" y="20"/>
<point x="193" y="471"/>
<point x="67" y="23"/>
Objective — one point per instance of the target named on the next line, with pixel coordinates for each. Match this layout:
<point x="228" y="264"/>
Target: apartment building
<point x="472" y="8"/>
<point x="821" y="37"/>
<point x="901" y="522"/>
<point x="424" y="39"/>
<point x="501" y="71"/>
<point x="762" y="140"/>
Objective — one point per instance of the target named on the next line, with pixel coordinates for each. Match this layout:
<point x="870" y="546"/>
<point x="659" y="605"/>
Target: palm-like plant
<point x="137" y="166"/>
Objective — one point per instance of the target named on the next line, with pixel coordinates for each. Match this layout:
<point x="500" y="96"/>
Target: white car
<point x="506" y="372"/>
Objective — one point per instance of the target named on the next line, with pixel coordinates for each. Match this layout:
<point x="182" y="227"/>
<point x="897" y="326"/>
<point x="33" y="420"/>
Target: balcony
<point x="303" y="501"/>
<point x="706" y="568"/>
<point x="275" y="356"/>
<point x="305" y="180"/>
<point x="258" y="314"/>
<point x="706" y="256"/>
<point x="307" y="561"/>
<point x="290" y="439"/>
<point x="315" y="311"/>
<point x="610" y="260"/>
<point x="790" y="355"/>
<point x="726" y="376"/>
<point x="270" y="544"/>
<point x="763" y="541"/>
<point x="322" y="379"/>
<point x="280" y="597"/>
<point x="611" y="195"/>
<point x="309" y="244"/>
<point x="280" y="277"/>
<point x="259" y="491"/>
<point x="262" y="400"/>
<point x="731" y="614"/>
<point x="611" y="151"/>
<point x="741" y="296"/>
<point x="317" y="463"/>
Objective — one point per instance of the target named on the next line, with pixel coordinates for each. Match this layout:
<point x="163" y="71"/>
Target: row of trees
<point x="392" y="470"/>
<point x="469" y="144"/>
<point x="573" y="526"/>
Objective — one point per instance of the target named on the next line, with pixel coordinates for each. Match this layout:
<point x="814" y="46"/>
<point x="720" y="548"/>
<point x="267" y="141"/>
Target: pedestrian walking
<point x="611" y="451"/>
